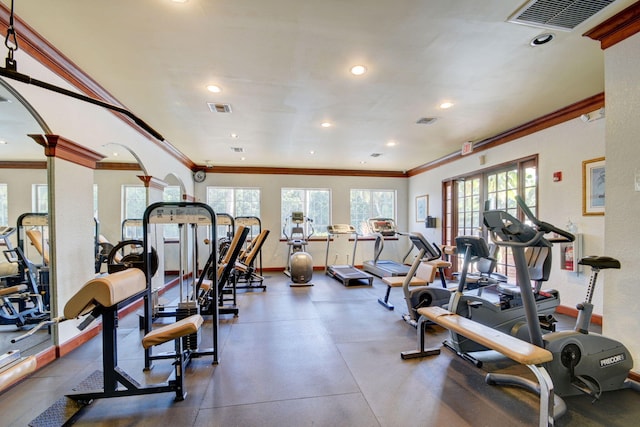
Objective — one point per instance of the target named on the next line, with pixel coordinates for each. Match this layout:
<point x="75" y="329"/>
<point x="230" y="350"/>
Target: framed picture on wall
<point x="422" y="207"/>
<point x="593" y="194"/>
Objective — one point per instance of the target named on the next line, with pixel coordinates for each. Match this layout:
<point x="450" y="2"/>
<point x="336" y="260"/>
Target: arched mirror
<point x="24" y="278"/>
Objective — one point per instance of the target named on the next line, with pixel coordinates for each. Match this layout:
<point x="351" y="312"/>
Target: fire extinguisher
<point x="568" y="258"/>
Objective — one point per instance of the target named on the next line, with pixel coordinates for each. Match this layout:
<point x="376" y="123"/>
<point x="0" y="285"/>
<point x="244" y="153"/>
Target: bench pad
<point x="9" y="269"/>
<point x="397" y="281"/>
<point x="512" y="347"/>
<point x="105" y="291"/>
<point x="13" y="290"/>
<point x="181" y="328"/>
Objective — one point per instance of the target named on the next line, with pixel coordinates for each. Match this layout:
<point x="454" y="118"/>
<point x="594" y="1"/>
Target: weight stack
<point x="186" y="309"/>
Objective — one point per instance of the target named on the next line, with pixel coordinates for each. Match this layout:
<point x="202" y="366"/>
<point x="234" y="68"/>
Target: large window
<point x="40" y="198"/>
<point x="171" y="193"/>
<point x="466" y="197"/>
<point x="134" y="201"/>
<point x="4" y="204"/>
<point x="234" y="201"/>
<point x="315" y="203"/>
<point x="367" y="204"/>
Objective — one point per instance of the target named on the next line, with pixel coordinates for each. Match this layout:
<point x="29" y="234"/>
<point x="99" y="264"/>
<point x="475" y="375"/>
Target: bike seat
<point x="600" y="262"/>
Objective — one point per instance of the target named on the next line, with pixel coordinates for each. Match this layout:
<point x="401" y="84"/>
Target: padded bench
<point x="425" y="274"/>
<point x="515" y="349"/>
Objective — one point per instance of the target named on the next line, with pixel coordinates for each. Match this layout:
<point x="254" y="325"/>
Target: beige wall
<point x="622" y="221"/>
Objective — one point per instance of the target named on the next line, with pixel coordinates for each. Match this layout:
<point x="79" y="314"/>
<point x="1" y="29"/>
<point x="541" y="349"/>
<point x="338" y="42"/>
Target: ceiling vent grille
<point x="426" y="120"/>
<point x="376" y="154"/>
<point x="563" y="15"/>
<point x="237" y="149"/>
<point x="219" y="108"/>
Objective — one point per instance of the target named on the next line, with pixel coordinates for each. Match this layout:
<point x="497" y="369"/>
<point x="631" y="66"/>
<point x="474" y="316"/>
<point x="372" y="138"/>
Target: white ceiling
<point x="283" y="66"/>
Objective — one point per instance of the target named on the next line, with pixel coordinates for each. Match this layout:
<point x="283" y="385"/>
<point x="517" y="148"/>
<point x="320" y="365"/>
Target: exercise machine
<point x="384" y="228"/>
<point x="247" y="271"/>
<point x="422" y="296"/>
<point x="496" y="304"/>
<point x="189" y="217"/>
<point x="210" y="294"/>
<point x="348" y="274"/>
<point x="22" y="300"/>
<point x="102" y="297"/>
<point x="583" y="362"/>
<point x="299" y="261"/>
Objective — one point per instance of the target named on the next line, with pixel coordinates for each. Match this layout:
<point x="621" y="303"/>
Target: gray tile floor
<point x="325" y="355"/>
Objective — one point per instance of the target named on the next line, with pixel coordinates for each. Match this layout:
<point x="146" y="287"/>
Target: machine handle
<point x="544" y="226"/>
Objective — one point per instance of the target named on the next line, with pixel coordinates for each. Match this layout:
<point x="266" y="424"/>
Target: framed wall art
<point x="593" y="189"/>
<point x="422" y="207"/>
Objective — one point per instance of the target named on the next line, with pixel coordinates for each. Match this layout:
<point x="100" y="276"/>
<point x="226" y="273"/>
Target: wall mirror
<point x="23" y="237"/>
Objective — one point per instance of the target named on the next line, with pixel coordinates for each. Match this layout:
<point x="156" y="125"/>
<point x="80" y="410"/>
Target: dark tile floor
<point x="325" y="355"/>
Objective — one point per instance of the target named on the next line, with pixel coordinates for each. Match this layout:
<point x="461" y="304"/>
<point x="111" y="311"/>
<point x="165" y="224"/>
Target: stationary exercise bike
<point x="299" y="261"/>
<point x="583" y="362"/>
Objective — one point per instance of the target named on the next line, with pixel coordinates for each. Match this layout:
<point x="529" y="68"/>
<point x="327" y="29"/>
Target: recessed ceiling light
<point x="362" y="162"/>
<point x="234" y="135"/>
<point x="312" y="152"/>
<point x="243" y="158"/>
<point x="179" y="1"/>
<point x="115" y="154"/>
<point x="541" y="39"/>
<point x="391" y="144"/>
<point x="3" y="142"/>
<point x="446" y="105"/>
<point x="214" y="89"/>
<point x="325" y="124"/>
<point x="358" y="70"/>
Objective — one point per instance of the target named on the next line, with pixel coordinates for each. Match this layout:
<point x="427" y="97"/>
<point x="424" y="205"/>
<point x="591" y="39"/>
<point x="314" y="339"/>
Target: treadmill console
<point x="341" y="229"/>
<point x="384" y="226"/>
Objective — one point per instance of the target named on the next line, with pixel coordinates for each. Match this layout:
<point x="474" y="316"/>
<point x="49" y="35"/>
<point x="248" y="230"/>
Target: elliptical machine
<point x="423" y="296"/>
<point x="583" y="362"/>
<point x="495" y="303"/>
<point x="299" y="261"/>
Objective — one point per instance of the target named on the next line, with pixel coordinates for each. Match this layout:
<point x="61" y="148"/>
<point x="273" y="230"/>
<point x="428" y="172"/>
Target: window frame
<point x="319" y="230"/>
<point x="450" y="205"/>
<point x="362" y="226"/>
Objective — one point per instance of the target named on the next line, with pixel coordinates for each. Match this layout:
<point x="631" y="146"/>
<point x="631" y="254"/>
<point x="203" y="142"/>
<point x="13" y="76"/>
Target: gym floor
<point x="325" y="355"/>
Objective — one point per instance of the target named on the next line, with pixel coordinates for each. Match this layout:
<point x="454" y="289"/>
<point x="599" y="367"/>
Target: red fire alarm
<point x="557" y="176"/>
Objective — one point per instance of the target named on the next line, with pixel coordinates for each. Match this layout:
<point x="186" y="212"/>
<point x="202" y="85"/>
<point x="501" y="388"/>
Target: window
<point x="234" y="201"/>
<point x="95" y="201"/>
<point x="171" y="193"/>
<point x="367" y="204"/>
<point x="40" y="198"/>
<point x="495" y="188"/>
<point x="315" y="203"/>
<point x="134" y="203"/>
<point x="4" y="204"/>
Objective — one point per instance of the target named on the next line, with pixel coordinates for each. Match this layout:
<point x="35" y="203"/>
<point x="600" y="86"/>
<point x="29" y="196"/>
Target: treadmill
<point x="384" y="227"/>
<point x="347" y="274"/>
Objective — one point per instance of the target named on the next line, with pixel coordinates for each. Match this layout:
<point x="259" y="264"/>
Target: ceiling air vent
<point x="237" y="149"/>
<point x="376" y="154"/>
<point x="426" y="120"/>
<point x="219" y="108"/>
<point x="563" y="15"/>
